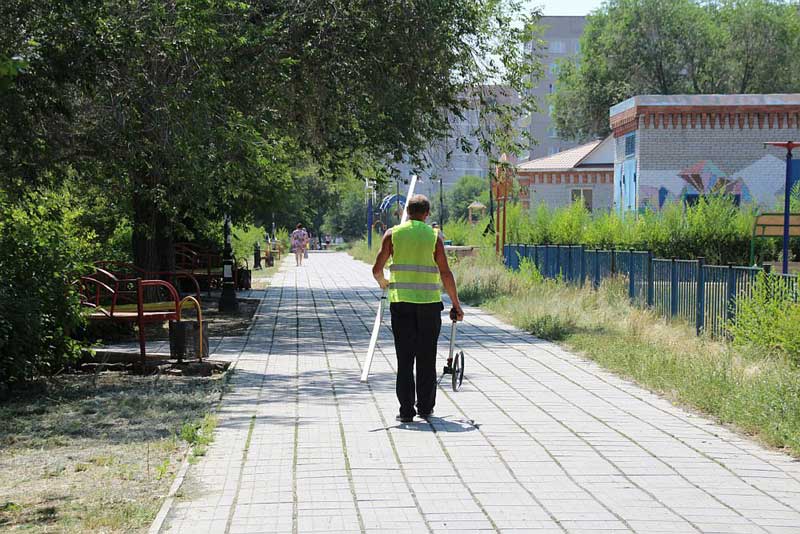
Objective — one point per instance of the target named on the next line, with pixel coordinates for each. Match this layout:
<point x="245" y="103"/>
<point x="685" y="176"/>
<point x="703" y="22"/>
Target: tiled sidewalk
<point x="537" y="440"/>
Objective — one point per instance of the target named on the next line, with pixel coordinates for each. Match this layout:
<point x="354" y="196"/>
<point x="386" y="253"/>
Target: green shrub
<point x="550" y="327"/>
<point x="713" y="228"/>
<point x="42" y="250"/>
<point x="768" y="318"/>
<point x="282" y="235"/>
<point x="244" y="238"/>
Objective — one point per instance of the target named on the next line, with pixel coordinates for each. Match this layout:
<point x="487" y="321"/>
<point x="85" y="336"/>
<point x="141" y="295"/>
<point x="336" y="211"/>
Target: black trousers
<point x="416" y="332"/>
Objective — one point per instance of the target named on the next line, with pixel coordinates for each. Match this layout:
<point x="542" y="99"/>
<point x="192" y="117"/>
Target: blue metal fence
<point x="703" y="295"/>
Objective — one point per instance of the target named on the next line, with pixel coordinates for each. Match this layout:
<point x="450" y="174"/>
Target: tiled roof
<point x="567" y="159"/>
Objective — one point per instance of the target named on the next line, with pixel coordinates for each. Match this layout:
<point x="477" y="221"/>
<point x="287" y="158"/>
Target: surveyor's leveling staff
<point x="376" y="327"/>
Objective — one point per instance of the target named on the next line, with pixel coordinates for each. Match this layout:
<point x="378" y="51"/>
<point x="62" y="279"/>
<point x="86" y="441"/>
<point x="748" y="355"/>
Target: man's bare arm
<point x="448" y="280"/>
<point x="382" y="258"/>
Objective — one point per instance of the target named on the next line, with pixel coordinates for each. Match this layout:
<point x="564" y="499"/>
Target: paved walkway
<point x="538" y="440"/>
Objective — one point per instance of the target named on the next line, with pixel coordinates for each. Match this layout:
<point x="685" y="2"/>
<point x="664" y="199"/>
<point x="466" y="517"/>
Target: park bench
<point x="183" y="281"/>
<point x="205" y="265"/>
<point x="275" y="250"/>
<point x="133" y="300"/>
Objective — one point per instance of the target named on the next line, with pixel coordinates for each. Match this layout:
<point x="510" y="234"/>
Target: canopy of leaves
<point x="466" y="190"/>
<point x="632" y="47"/>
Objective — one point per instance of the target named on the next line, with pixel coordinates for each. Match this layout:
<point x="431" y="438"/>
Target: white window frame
<point x="583" y="196"/>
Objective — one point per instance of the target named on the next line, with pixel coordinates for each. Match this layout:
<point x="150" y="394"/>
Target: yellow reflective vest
<point x="414" y="274"/>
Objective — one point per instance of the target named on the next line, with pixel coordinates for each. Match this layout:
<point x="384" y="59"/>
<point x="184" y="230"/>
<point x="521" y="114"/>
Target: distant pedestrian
<point x="299" y="240"/>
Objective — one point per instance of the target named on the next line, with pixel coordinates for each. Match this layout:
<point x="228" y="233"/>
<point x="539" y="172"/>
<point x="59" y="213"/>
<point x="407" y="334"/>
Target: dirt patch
<point x="86" y="453"/>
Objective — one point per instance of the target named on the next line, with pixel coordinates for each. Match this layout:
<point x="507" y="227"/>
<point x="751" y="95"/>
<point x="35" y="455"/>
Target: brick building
<point x="682" y="147"/>
<point x="582" y="173"/>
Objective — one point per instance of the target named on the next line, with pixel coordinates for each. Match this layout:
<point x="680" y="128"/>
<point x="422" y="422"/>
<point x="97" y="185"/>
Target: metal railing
<point x="703" y="295"/>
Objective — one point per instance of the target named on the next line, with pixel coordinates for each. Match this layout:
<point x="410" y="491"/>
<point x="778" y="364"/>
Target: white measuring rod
<point x="376" y="327"/>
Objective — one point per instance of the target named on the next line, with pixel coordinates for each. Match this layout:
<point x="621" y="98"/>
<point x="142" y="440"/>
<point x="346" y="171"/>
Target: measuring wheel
<point x="458" y="370"/>
<point x="455" y="361"/>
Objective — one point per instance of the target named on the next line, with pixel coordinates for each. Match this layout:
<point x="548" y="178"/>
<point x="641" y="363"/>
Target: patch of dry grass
<point x="77" y="457"/>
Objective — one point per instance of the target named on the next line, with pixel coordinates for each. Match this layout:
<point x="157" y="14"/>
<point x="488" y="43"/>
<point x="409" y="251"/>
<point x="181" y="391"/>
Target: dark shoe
<point x="426" y="415"/>
<point x="404" y="418"/>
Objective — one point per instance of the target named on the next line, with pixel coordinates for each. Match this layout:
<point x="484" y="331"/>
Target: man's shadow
<point x="436" y="424"/>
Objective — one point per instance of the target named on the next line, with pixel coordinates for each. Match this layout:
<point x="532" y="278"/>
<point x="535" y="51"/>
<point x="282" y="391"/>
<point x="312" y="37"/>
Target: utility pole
<point x="789" y="146"/>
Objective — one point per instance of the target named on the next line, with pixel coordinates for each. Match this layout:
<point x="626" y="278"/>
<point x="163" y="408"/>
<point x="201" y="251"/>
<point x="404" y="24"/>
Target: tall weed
<point x="768" y="318"/>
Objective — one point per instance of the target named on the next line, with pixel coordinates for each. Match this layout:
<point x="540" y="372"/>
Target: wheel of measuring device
<point x="458" y="370"/>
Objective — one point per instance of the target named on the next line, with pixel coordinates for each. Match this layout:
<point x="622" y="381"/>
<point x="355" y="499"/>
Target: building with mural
<point x="584" y="173"/>
<point x="683" y="147"/>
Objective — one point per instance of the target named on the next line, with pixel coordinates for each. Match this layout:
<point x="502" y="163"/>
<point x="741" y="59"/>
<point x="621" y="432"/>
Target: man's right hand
<point x="456" y="313"/>
<point x="383" y="282"/>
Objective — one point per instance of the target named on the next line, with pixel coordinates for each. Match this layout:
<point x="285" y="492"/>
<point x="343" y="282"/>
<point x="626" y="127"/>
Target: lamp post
<point x="369" y="187"/>
<point x="227" y="301"/>
<point x="441" y="202"/>
<point x="789" y="146"/>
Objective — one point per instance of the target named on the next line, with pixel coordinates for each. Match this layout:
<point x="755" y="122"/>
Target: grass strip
<point x="754" y="390"/>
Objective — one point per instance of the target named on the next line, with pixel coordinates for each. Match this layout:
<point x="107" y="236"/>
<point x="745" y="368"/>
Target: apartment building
<point x="562" y="36"/>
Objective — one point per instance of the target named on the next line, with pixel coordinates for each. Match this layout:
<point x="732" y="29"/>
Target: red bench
<point x="126" y="270"/>
<point x="108" y="297"/>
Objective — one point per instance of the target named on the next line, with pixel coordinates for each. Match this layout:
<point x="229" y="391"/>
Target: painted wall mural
<point x="761" y="182"/>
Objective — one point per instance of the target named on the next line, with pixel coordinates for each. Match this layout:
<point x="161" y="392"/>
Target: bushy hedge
<point x="42" y="248"/>
<point x="714" y="228"/>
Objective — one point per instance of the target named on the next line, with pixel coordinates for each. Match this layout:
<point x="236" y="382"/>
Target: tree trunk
<point x="153" y="242"/>
<point x="145" y="245"/>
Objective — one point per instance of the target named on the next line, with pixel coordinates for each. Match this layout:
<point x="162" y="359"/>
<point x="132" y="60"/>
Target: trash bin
<point x="256" y="256"/>
<point x="184" y="341"/>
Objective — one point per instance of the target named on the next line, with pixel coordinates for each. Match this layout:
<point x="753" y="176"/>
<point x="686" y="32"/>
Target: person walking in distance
<point x="419" y="268"/>
<point x="299" y="239"/>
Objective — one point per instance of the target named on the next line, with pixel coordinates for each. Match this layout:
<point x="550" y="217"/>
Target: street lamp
<point x="227" y="301"/>
<point x="789" y="146"/>
<point x="440" y="179"/>
<point x="370" y="187"/>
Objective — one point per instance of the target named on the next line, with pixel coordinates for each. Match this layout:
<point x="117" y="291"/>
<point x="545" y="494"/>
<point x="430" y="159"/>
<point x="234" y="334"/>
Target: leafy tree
<point x="349" y="219"/>
<point x="632" y="47"/>
<point x="466" y="190"/>
<point x="161" y="116"/>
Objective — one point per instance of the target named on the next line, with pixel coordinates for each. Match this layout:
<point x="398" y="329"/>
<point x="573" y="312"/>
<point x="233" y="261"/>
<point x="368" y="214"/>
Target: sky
<point x="565" y="7"/>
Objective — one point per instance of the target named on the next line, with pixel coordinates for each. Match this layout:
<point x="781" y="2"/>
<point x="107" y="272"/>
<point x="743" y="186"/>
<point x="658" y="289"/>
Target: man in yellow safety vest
<point x="418" y="270"/>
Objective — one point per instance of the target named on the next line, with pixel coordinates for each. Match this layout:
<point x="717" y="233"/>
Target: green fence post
<point x="700" y="297"/>
<point x="631" y="277"/>
<point x="613" y="261"/>
<point x="583" y="264"/>
<point x="730" y="300"/>
<point x="650" y="279"/>
<point x="568" y="278"/>
<point x="673" y="289"/>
